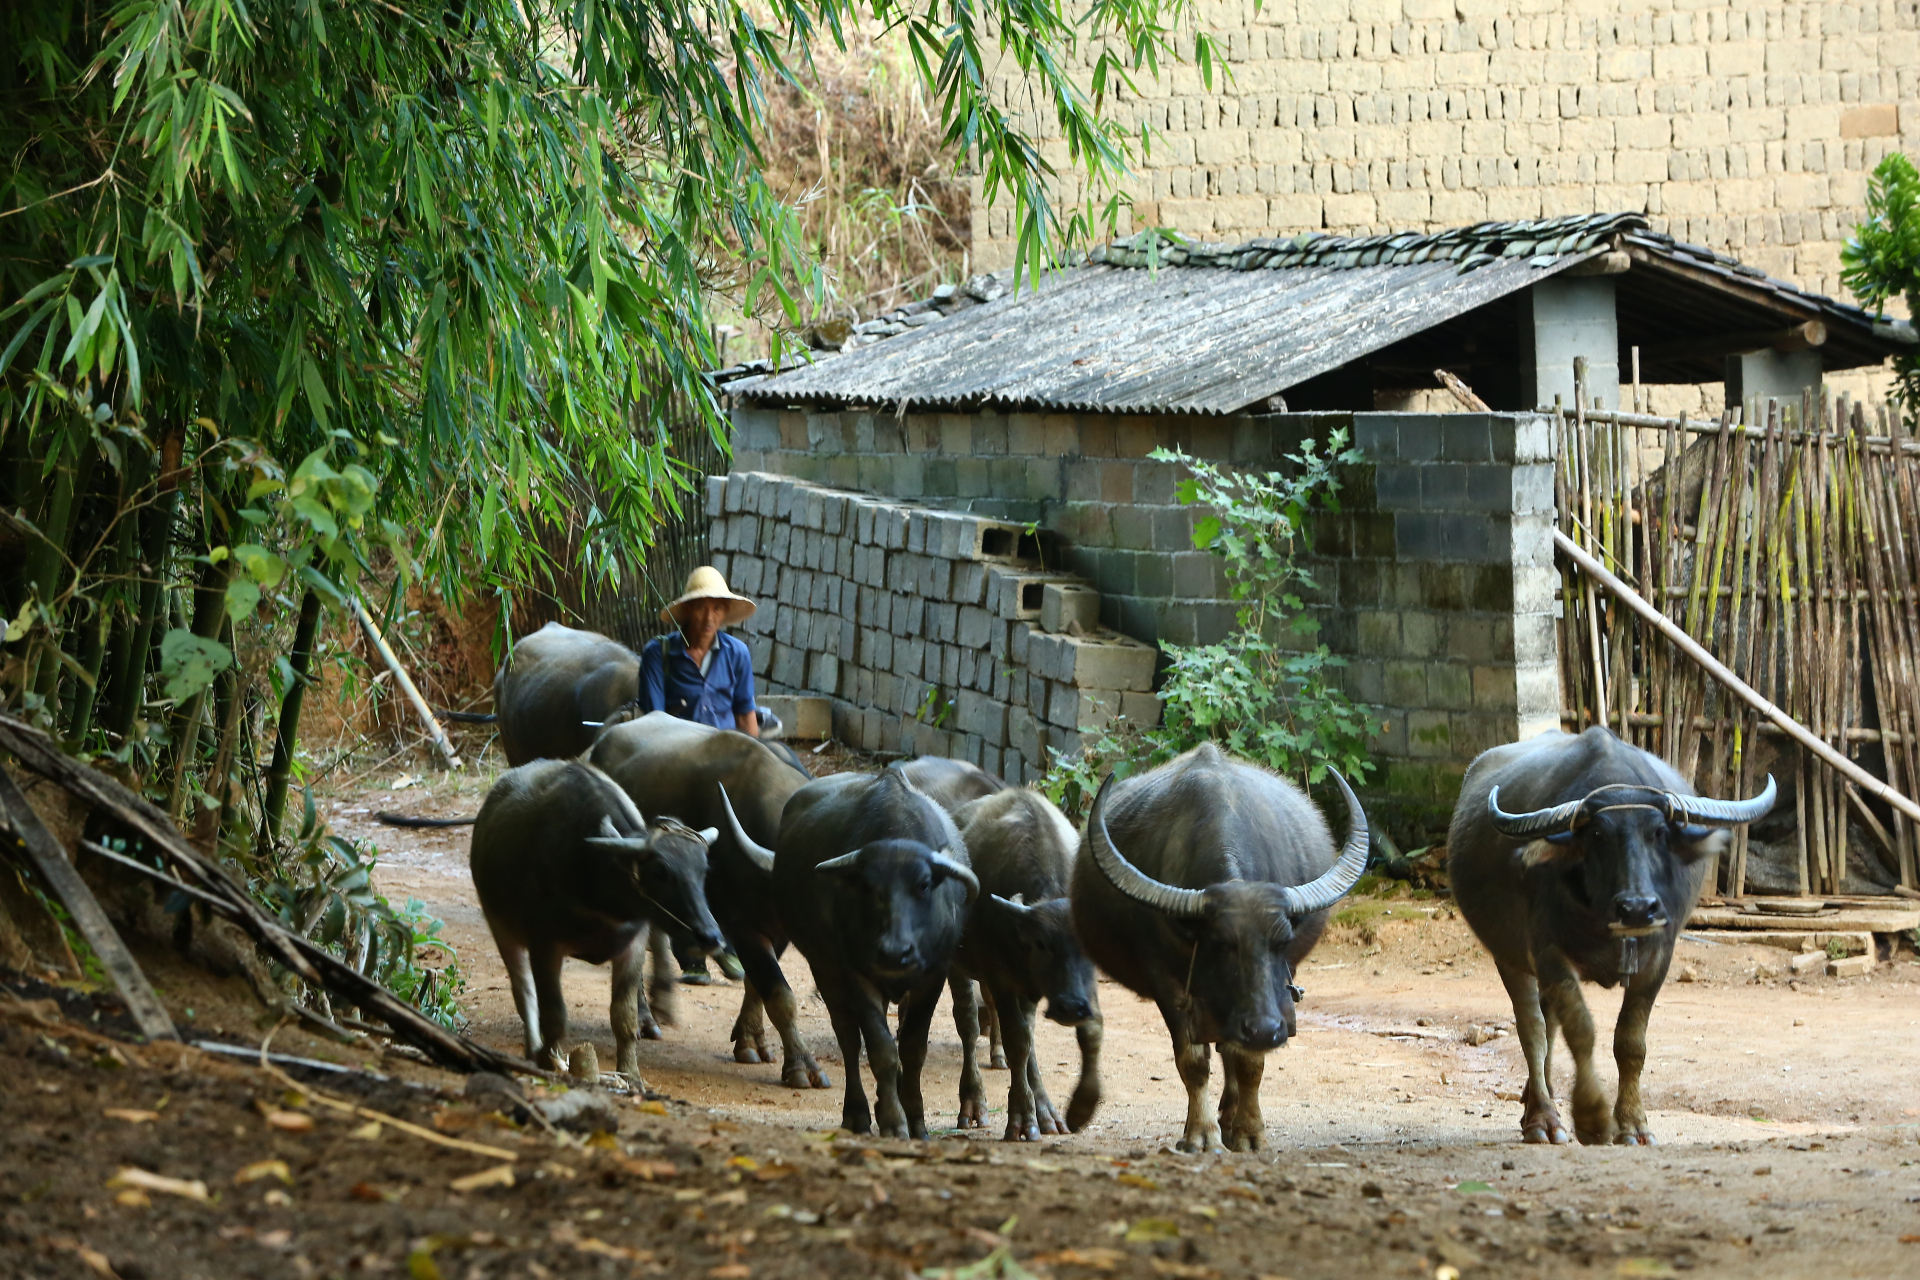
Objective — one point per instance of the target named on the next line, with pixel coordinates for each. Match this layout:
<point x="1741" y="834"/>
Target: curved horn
<point x="1698" y="810"/>
<point x="840" y="865"/>
<point x="1532" y="826"/>
<point x="759" y="855"/>
<point x="945" y="865"/>
<point x="1129" y="879"/>
<point x="1332" y="885"/>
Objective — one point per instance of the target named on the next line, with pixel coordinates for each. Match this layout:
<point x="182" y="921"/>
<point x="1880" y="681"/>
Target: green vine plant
<point x="1269" y="691"/>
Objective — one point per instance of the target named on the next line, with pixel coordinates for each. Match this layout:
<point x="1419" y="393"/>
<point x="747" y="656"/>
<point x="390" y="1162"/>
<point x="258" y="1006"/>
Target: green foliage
<point x="1267" y="692"/>
<point x="1881" y="261"/>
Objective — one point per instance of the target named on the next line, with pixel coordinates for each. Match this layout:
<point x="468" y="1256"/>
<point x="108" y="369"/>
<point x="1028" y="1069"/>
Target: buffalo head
<point x="893" y="890"/>
<point x="1615" y="845"/>
<point x="1039" y="937"/>
<point x="1239" y="988"/>
<point x="666" y="866"/>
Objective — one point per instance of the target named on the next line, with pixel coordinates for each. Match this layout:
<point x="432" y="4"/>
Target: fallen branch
<point x="1733" y="683"/>
<point x="1461" y="391"/>
<point x="32" y="838"/>
<point x="309" y="962"/>
<point x="435" y="733"/>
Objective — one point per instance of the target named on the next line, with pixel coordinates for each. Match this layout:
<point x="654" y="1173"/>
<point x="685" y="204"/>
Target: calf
<point x="565" y="865"/>
<point x="1019" y="942"/>
<point x="1581" y="857"/>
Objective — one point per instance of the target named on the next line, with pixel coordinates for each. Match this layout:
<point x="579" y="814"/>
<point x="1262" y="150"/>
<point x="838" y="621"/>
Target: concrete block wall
<point x="931" y="630"/>
<point x="1435" y="579"/>
<point x="1750" y="128"/>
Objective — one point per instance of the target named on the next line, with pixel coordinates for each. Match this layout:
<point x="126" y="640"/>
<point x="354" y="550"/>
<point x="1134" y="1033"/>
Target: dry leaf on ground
<point x="141" y="1180"/>
<point x="501" y="1175"/>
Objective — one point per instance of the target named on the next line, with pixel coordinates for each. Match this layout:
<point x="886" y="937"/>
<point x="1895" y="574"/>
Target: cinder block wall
<point x="1435" y="579"/>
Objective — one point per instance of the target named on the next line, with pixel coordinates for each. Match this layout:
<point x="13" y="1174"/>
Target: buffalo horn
<point x="758" y="855"/>
<point x="1532" y="826"/>
<point x="1699" y="810"/>
<point x="1129" y="879"/>
<point x="960" y="871"/>
<point x="1332" y="885"/>
<point x="611" y="839"/>
<point x="840" y="865"/>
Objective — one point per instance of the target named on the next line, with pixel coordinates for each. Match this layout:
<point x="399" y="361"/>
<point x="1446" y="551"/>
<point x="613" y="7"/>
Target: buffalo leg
<point x="798" y="1070"/>
<point x="750" y="1028"/>
<point x="526" y="1001"/>
<point x="996" y="1043"/>
<point x="1194" y="1063"/>
<point x="1044" y="1112"/>
<point x="1242" y="1126"/>
<point x="1016" y="1027"/>
<point x="883" y="1059"/>
<point x="1630" y="1052"/>
<point x="1561" y="990"/>
<point x="628" y="1012"/>
<point x="1539" y="1120"/>
<point x="1086" y="1094"/>
<point x="640" y="1000"/>
<point x="552" y="1053"/>
<point x="854" y="1115"/>
<point x="663" y="987"/>
<point x="966" y="1021"/>
<point x="916" y="1021"/>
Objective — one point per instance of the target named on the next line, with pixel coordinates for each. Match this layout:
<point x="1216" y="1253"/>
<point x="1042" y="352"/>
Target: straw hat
<point x="705" y="583"/>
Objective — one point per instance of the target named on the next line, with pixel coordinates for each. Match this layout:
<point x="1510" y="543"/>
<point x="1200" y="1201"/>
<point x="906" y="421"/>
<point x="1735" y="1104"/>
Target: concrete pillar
<point x="1773" y="375"/>
<point x="1560" y="319"/>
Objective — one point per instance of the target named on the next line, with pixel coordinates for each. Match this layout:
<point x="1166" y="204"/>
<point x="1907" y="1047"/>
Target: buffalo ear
<point x="1691" y="843"/>
<point x="1539" y="853"/>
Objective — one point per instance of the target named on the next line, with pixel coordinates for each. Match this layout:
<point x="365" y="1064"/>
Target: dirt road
<point x="1788" y="1114"/>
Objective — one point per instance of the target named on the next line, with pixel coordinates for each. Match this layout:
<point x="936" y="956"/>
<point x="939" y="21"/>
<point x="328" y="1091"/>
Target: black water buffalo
<point x="1581" y="857"/>
<point x="951" y="783"/>
<point x="677" y="767"/>
<point x="1202" y="886"/>
<point x="565" y="865"/>
<point x="872" y="880"/>
<point x="551" y="695"/>
<point x="1020" y="944"/>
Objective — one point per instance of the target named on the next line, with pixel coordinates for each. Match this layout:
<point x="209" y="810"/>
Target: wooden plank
<point x="31" y="836"/>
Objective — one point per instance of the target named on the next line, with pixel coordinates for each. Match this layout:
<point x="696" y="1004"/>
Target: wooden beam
<point x="31" y="837"/>
<point x="1800" y="337"/>
<point x="1687" y="645"/>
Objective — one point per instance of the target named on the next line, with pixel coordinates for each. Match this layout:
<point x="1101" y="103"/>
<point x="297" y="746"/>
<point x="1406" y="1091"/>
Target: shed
<point x="1040" y="410"/>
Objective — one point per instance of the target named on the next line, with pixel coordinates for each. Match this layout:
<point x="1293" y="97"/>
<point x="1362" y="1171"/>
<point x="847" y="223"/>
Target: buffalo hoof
<point x="998" y="1062"/>
<point x="807" y="1075"/>
<point x="751" y="1051"/>
<point x="1021" y="1131"/>
<point x="1243" y="1142"/>
<point x="1554" y="1133"/>
<point x="1639" y="1139"/>
<point x="1081" y="1106"/>
<point x="973" y="1114"/>
<point x="650" y="1030"/>
<point x="1196" y="1144"/>
<point x="1049" y="1119"/>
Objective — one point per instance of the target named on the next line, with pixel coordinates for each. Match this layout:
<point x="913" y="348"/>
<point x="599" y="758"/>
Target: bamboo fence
<point x="1785" y="539"/>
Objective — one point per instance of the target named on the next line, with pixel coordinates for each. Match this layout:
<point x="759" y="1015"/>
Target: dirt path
<point x="1812" y="1082"/>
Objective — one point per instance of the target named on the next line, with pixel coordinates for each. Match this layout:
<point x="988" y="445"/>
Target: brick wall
<point x="1436" y="577"/>
<point x="1748" y="128"/>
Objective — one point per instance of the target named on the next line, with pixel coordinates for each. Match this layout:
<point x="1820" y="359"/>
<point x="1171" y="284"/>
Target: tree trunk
<point x="156" y="546"/>
<point x="46" y="569"/>
<point x="209" y="616"/>
<point x="286" y="735"/>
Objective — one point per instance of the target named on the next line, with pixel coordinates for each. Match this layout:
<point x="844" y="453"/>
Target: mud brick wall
<point x="1750" y="128"/>
<point x="1435" y="579"/>
<point x="935" y="632"/>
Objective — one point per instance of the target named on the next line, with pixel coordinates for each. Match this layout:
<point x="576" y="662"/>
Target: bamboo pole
<point x="1904" y="445"/>
<point x="1632" y="599"/>
<point x="435" y="734"/>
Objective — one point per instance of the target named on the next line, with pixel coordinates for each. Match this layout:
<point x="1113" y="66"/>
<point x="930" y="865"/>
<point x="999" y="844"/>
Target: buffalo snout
<point x="1259" y="1033"/>
<point x="1636" y="909"/>
<point x="1069" y="1011"/>
<point x="898" y="956"/>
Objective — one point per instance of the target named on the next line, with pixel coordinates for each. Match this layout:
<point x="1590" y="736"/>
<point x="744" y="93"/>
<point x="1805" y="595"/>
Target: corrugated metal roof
<point x="1216" y="329"/>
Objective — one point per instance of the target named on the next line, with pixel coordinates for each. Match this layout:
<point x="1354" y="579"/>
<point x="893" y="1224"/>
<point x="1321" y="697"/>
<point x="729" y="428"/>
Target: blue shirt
<point x="671" y="681"/>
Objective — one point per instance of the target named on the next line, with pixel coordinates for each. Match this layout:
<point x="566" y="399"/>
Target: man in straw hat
<point x="699" y="672"/>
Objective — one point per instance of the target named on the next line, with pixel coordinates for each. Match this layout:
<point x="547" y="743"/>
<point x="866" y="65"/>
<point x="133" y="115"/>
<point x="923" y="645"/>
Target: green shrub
<point x="1267" y="692"/>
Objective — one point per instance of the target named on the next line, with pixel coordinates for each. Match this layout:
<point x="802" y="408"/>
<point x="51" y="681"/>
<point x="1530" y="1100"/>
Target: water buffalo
<point x="1202" y="886"/>
<point x="871" y="878"/>
<point x="1019" y="942"/>
<point x="675" y="766"/>
<point x="565" y="865"/>
<point x="1581" y="857"/>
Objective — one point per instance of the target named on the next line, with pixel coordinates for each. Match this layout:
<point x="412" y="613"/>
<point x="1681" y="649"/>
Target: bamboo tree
<point x="287" y="733"/>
